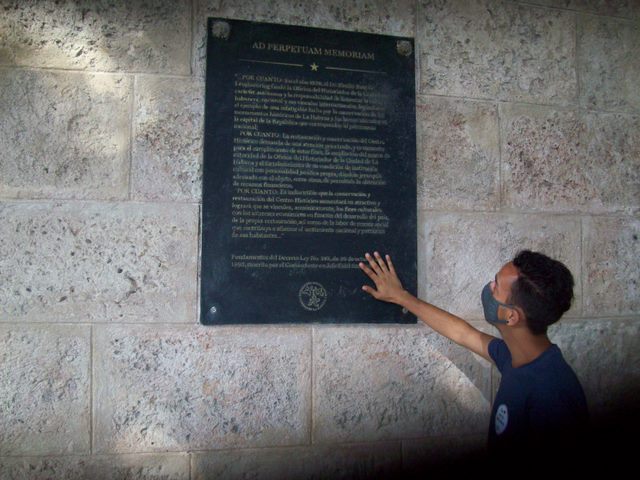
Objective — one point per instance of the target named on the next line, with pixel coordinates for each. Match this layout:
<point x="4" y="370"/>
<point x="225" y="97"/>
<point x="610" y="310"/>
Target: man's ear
<point x="514" y="317"/>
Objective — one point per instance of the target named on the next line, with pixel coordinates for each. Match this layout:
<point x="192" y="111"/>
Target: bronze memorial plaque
<point x="309" y="162"/>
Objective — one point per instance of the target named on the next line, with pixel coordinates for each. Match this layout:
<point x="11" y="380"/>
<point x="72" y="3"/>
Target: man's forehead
<point x="508" y="270"/>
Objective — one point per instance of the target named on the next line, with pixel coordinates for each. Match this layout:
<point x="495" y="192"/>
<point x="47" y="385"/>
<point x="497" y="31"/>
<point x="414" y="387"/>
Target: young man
<point x="540" y="404"/>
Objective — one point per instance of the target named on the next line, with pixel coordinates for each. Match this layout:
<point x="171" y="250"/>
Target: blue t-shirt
<point x="539" y="402"/>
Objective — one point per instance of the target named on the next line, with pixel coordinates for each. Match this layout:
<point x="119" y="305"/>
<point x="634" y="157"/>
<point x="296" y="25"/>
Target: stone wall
<point x="528" y="119"/>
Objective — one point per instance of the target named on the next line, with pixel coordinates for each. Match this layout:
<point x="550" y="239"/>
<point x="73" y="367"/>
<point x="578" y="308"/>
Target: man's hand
<point x="388" y="286"/>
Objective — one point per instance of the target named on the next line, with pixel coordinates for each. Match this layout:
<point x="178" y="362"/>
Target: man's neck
<point x="524" y="346"/>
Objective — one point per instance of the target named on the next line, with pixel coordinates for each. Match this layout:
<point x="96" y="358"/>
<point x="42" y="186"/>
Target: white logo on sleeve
<point x="502" y="419"/>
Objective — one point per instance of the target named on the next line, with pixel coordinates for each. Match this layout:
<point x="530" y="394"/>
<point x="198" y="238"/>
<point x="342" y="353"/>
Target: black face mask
<point x="490" y="306"/>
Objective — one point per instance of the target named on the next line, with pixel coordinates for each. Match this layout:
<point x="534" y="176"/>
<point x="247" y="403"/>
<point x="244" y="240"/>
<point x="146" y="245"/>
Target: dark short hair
<point x="544" y="289"/>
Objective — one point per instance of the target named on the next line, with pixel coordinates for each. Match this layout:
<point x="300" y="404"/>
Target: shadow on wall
<point x="72" y="139"/>
<point x="125" y="36"/>
<point x="467" y="363"/>
<point x="66" y="133"/>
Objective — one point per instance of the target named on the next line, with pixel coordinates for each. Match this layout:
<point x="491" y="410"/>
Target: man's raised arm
<point x="388" y="288"/>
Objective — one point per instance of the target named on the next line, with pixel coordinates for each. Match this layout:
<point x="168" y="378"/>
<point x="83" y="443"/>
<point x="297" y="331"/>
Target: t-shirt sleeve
<point x="499" y="353"/>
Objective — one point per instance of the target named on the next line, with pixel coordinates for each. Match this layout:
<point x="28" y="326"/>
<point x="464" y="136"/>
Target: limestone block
<point x="610" y="266"/>
<point x="138" y="36"/>
<point x="167" y="138"/>
<point x="463" y="252"/>
<point x="565" y="160"/>
<point x="197" y="388"/>
<point x="608" y="63"/>
<point x="452" y="452"/>
<point x="541" y="148"/>
<point x="613" y="160"/>
<point x="459" y="154"/>
<point x="44" y="375"/>
<point x="621" y="8"/>
<point x="497" y="49"/>
<point x="64" y="135"/>
<point x="96" y="467"/>
<point x="400" y="382"/>
<point x="91" y="262"/>
<point x="475" y="368"/>
<point x="605" y="355"/>
<point x="379" y="460"/>
<point x="371" y="16"/>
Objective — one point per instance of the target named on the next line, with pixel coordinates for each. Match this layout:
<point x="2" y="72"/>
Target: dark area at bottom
<point x="609" y="447"/>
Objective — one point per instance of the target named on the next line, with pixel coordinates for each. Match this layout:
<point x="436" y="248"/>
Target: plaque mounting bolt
<point x="221" y="30"/>
<point x="404" y="48"/>
<point x="213" y="314"/>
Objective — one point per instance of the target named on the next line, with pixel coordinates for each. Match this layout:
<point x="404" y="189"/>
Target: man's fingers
<point x="371" y="291"/>
<point x="372" y="262"/>
<point x="380" y="270"/>
<point x="380" y="261"/>
<point x="390" y="264"/>
<point x="370" y="273"/>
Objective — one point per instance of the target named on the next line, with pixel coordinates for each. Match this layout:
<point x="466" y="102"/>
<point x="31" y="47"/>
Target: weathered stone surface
<point x="622" y="8"/>
<point x="605" y="355"/>
<point x="64" y="135"/>
<point x="167" y="142"/>
<point x="379" y="460"/>
<point x="565" y="160"/>
<point x="464" y="251"/>
<point x="94" y="262"/>
<point x="613" y="160"/>
<point x="459" y="154"/>
<point x="139" y="36"/>
<point x="608" y="63"/>
<point x="610" y="266"/>
<point x="44" y="375"/>
<point x="371" y="16"/>
<point x="97" y="467"/>
<point x="419" y="456"/>
<point x="200" y="388"/>
<point x="497" y="49"/>
<point x="541" y="148"/>
<point x="400" y="382"/>
<point x="475" y="368"/>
